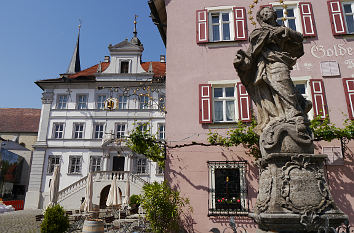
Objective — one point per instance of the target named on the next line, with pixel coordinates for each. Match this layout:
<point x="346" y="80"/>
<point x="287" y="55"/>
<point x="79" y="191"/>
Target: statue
<point x="264" y="69"/>
<point x="293" y="195"/>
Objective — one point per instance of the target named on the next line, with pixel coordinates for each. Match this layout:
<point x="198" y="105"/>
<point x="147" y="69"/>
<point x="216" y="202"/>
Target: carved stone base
<point x="293" y="194"/>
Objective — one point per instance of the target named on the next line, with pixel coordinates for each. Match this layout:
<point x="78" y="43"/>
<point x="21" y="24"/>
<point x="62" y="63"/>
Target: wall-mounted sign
<point x="330" y="68"/>
<point x="319" y="51"/>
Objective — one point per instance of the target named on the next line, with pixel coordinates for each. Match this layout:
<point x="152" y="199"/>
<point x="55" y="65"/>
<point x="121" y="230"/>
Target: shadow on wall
<point x="341" y="183"/>
<point x="175" y="176"/>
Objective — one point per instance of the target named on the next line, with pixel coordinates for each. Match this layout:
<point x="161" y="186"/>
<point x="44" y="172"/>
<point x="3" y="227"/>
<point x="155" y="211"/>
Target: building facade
<point x="207" y="95"/>
<point x="20" y="125"/>
<point x="85" y="119"/>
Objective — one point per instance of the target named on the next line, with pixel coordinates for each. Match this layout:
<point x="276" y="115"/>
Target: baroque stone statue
<point x="293" y="195"/>
<point x="264" y="69"/>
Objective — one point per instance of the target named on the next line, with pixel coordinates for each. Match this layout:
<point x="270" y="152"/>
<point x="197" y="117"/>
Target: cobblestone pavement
<point x="21" y="221"/>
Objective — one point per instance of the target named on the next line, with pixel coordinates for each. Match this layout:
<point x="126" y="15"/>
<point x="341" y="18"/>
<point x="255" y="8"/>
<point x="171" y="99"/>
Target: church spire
<point x="135" y="40"/>
<point x="74" y="65"/>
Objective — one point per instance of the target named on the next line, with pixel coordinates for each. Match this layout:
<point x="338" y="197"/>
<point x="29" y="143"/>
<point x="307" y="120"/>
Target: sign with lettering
<point x="319" y="51"/>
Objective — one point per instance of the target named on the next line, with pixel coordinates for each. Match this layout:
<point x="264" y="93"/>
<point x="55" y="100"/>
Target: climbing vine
<point x="142" y="142"/>
<point x="244" y="134"/>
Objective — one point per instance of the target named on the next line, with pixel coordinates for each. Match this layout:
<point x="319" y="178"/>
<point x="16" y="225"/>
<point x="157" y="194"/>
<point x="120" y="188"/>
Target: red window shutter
<point x="202" y="26"/>
<point x="336" y="17"/>
<point x="244" y="103"/>
<point x="240" y="23"/>
<point x="348" y="84"/>
<point x="307" y="19"/>
<point x="318" y="98"/>
<point x="205" y="113"/>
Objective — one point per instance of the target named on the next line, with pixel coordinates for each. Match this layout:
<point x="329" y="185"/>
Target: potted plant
<point x="134" y="204"/>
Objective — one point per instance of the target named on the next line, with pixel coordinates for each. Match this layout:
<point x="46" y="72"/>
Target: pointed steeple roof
<point x="135" y="40"/>
<point x="74" y="65"/>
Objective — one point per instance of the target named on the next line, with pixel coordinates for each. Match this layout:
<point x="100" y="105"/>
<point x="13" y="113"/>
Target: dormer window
<point x="124" y="67"/>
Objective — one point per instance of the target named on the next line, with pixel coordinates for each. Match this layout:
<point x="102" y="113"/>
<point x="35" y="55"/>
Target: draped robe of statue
<point x="264" y="69"/>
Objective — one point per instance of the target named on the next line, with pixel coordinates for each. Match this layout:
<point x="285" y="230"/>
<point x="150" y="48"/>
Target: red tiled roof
<point x="19" y="120"/>
<point x="158" y="68"/>
<point x="90" y="71"/>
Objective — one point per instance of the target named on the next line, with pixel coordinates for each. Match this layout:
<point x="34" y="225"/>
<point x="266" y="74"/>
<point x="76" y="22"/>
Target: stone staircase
<point x="101" y="176"/>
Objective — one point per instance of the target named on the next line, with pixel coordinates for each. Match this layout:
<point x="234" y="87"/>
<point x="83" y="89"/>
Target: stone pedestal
<point x="293" y="195"/>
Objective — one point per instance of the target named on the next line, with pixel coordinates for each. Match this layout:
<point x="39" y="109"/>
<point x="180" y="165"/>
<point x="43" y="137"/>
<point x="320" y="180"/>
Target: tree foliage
<point x="55" y="220"/>
<point x="163" y="207"/>
<point x="142" y="142"/>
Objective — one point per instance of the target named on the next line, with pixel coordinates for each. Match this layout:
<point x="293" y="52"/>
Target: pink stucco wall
<point x="190" y="64"/>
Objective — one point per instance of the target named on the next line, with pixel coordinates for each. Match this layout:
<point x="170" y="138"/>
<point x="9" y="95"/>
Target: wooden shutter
<point x="318" y="98"/>
<point x="307" y="19"/>
<point x="240" y="23"/>
<point x="205" y="113"/>
<point x="348" y="84"/>
<point x="244" y="103"/>
<point x="202" y="26"/>
<point x="336" y="17"/>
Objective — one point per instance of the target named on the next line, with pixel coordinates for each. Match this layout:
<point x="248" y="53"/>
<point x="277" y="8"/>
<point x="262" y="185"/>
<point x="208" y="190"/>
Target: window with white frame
<point x="221" y="26"/>
<point x="58" y="130"/>
<point x="98" y="130"/>
<point x="161" y="131"/>
<point x="78" y="130"/>
<point x="124" y="67"/>
<point x="348" y="11"/>
<point x="120" y="130"/>
<point x="75" y="164"/>
<point x="224" y="103"/>
<point x="82" y="101"/>
<point x="288" y="17"/>
<point x="302" y="86"/>
<point x="62" y="101"/>
<point x="100" y="101"/>
<point x="95" y="163"/>
<point x="143" y="126"/>
<point x="123" y="102"/>
<point x="53" y="160"/>
<point x="227" y="188"/>
<point x="144" y="102"/>
<point x="141" y="166"/>
<point x="159" y="170"/>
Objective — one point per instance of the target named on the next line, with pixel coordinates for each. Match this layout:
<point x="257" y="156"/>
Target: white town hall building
<point x="77" y="133"/>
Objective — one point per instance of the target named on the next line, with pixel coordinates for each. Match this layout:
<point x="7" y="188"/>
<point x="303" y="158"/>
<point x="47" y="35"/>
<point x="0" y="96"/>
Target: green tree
<point x="142" y="142"/>
<point x="55" y="220"/>
<point x="163" y="207"/>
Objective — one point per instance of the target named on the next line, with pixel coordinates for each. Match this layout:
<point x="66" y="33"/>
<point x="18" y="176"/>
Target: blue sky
<point x="38" y="38"/>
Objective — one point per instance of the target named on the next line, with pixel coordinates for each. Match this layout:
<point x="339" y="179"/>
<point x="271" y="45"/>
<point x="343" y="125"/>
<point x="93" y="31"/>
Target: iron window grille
<point x="227" y="188"/>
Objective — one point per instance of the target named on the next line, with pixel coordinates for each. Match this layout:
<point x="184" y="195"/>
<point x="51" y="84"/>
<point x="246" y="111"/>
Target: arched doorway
<point x="104" y="196"/>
